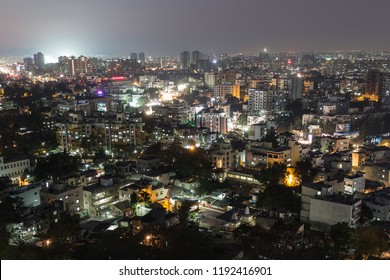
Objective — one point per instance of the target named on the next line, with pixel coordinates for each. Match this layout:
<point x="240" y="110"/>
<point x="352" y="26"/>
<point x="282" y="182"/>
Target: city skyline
<point x="169" y="27"/>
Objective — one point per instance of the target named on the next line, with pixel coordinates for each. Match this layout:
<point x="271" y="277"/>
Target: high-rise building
<point x="79" y="65"/>
<point x="28" y="61"/>
<point x="373" y="84"/>
<point x="209" y="79"/>
<point x="227" y="76"/>
<point x="141" y="58"/>
<point x="196" y="55"/>
<point x="384" y="97"/>
<point x="261" y="100"/>
<point x="264" y="56"/>
<point x="185" y="60"/>
<point x="39" y="59"/>
<point x="220" y="91"/>
<point x="134" y="56"/>
<point x="215" y="120"/>
<point x="296" y="88"/>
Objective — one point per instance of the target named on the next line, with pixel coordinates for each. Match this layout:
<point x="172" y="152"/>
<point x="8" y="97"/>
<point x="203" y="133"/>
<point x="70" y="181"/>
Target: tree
<point x="8" y="215"/>
<point x="343" y="238"/>
<point x="242" y="120"/>
<point x="100" y="157"/>
<point x="142" y="101"/>
<point x="66" y="230"/>
<point x="56" y="165"/>
<point x="305" y="170"/>
<point x="231" y="100"/>
<point x="143" y="197"/>
<point x="184" y="211"/>
<point x="366" y="214"/>
<point x="370" y="241"/>
<point x="278" y="196"/>
<point x="272" y="175"/>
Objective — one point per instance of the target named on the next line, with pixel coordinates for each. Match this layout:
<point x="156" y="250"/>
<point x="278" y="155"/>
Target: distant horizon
<point x="19" y="53"/>
<point x="165" y="28"/>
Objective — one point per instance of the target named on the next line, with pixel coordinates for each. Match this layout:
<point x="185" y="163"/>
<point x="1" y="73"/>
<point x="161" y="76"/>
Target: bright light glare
<point x="50" y="59"/>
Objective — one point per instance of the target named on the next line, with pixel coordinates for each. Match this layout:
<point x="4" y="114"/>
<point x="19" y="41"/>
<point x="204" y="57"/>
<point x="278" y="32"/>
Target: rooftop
<point x="339" y="198"/>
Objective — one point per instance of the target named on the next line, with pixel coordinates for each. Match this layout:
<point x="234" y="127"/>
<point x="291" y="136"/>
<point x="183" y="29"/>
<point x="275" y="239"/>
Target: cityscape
<point x="264" y="154"/>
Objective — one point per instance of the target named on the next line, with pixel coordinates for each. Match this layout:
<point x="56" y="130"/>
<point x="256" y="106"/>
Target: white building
<point x="223" y="156"/>
<point x="30" y="195"/>
<point x="14" y="167"/>
<point x="215" y="120"/>
<point x="220" y="91"/>
<point x="257" y="132"/>
<point x="326" y="211"/>
<point x="209" y="79"/>
<point x="71" y="196"/>
<point x="354" y="183"/>
<point x="309" y="191"/>
<point x="379" y="203"/>
<point x="260" y="100"/>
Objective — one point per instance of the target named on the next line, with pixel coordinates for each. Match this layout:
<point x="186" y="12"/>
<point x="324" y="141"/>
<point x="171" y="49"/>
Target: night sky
<point x="166" y="27"/>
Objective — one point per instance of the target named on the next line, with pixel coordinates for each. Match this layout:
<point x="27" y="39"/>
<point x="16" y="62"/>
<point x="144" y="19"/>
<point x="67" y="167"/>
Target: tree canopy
<point x="56" y="165"/>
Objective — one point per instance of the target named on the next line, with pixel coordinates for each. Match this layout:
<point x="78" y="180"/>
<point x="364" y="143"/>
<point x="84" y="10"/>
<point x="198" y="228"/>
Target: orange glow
<point x="291" y="180"/>
<point x="368" y="96"/>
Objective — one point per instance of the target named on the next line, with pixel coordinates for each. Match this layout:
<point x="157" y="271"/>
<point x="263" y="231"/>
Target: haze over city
<point x="194" y="130"/>
<point x="168" y="27"/>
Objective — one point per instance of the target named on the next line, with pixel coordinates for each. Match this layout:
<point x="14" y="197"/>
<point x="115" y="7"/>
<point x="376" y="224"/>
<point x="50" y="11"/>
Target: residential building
<point x="35" y="222"/>
<point x="99" y="197"/>
<point x="378" y="172"/>
<point x="78" y="65"/>
<point x="257" y="132"/>
<point x="223" y="156"/>
<point x="209" y="79"/>
<point x="379" y="203"/>
<point x="354" y="183"/>
<point x="39" y="60"/>
<point x="326" y="211"/>
<point x="185" y="60"/>
<point x="30" y="195"/>
<point x="214" y="119"/>
<point x="260" y="100"/>
<point x="14" y="167"/>
<point x="309" y="191"/>
<point x="220" y="91"/>
<point x="71" y="196"/>
<point x="298" y="152"/>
